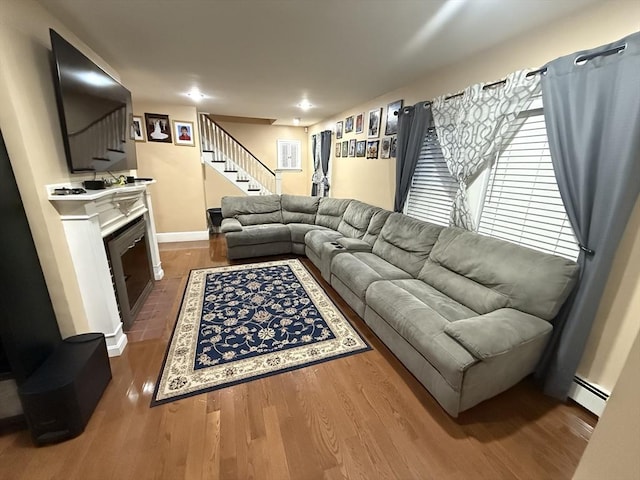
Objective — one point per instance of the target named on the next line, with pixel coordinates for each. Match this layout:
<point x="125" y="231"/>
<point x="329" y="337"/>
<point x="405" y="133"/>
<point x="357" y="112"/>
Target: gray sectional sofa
<point x="467" y="314"/>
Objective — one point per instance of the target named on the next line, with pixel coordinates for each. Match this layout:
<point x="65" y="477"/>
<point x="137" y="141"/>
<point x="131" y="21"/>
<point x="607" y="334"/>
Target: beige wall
<point x="613" y="449"/>
<point x="217" y="186"/>
<point x="261" y="141"/>
<point x="372" y="181"/>
<point x="31" y="129"/>
<point x="178" y="196"/>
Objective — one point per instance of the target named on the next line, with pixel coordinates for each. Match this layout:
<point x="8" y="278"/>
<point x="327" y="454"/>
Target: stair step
<point x="242" y="180"/>
<point x="231" y="171"/>
<point x="208" y="151"/>
<point x="218" y="161"/>
<point x="253" y="189"/>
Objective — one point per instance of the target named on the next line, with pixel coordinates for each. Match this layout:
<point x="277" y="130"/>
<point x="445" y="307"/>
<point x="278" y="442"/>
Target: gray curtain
<point x="413" y="123"/>
<point x="592" y="111"/>
<point x="316" y="178"/>
<point x="325" y="154"/>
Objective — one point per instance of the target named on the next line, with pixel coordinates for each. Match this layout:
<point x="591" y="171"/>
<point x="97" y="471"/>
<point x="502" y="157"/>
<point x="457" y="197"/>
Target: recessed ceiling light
<point x="305" y="104"/>
<point x="195" y="94"/>
<point x="296" y="121"/>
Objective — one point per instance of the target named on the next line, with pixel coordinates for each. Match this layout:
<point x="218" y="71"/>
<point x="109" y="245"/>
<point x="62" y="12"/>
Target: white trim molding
<point x="169" y="237"/>
<point x="590" y="396"/>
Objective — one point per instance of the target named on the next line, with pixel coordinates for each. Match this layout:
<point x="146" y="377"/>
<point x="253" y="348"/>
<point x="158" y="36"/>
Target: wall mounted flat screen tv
<point x="96" y="115"/>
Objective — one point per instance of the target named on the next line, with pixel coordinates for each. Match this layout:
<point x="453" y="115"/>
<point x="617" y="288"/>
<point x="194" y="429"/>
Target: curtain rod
<point x="580" y="60"/>
<point x="409" y="107"/>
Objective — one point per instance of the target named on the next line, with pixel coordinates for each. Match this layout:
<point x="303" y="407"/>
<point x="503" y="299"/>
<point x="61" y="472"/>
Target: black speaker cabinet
<point x="59" y="398"/>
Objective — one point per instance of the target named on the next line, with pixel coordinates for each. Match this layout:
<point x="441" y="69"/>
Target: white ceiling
<point x="259" y="58"/>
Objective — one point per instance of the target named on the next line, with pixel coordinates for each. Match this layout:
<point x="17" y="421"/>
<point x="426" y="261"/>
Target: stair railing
<point x="225" y="148"/>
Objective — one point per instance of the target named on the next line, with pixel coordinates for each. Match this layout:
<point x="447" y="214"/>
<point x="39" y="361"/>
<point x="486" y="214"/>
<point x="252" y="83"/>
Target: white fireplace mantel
<point x="88" y="218"/>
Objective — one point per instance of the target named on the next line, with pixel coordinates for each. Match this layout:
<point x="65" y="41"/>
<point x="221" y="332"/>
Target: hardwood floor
<point x="358" y="417"/>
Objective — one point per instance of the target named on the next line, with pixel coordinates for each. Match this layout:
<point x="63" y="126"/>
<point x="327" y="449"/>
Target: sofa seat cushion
<point x="259" y="234"/>
<point x="358" y="270"/>
<point x="421" y="325"/>
<point x="315" y="238"/>
<point x="299" y="230"/>
<point x="438" y="301"/>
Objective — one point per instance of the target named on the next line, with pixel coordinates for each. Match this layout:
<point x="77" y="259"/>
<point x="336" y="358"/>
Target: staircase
<point x="231" y="159"/>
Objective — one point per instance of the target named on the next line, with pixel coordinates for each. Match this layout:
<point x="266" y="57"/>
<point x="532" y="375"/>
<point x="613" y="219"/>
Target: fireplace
<point x="88" y="220"/>
<point x="131" y="269"/>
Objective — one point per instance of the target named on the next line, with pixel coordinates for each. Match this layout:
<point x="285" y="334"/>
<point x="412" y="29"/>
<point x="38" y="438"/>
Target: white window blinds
<point x="432" y="188"/>
<point x="522" y="204"/>
<point x="289" y="155"/>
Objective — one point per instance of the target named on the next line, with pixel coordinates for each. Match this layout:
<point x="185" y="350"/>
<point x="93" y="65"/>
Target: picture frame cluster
<point x="158" y="128"/>
<point x="374" y="145"/>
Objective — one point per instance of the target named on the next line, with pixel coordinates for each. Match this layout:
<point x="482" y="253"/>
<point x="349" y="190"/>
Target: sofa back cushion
<point x="375" y="225"/>
<point x="253" y="210"/>
<point x="330" y="211"/>
<point x="356" y="219"/>
<point x="406" y="242"/>
<point x="485" y="274"/>
<point x="299" y="209"/>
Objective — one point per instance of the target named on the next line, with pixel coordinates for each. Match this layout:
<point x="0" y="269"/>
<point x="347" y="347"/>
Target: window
<point x="522" y="204"/>
<point x="289" y="155"/>
<point x="432" y="188"/>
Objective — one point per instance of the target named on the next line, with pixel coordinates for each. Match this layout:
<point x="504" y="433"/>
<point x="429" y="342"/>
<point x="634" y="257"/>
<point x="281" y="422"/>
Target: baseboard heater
<point x="590" y="396"/>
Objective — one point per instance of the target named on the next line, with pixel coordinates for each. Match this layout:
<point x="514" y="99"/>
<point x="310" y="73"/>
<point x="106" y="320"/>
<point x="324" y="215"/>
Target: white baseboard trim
<point x="590" y="396"/>
<point x="169" y="237"/>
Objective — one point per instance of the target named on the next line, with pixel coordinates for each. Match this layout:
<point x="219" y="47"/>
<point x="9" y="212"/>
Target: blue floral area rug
<point x="243" y="322"/>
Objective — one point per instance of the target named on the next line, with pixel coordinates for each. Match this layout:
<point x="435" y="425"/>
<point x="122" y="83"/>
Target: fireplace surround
<point x="88" y="219"/>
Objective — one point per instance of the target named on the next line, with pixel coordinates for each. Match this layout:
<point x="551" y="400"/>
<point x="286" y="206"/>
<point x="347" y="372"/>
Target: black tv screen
<point x="96" y="115"/>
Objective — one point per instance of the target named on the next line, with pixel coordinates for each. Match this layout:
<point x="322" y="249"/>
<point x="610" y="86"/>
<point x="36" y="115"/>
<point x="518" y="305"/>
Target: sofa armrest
<point x="497" y="332"/>
<point x="230" y="225"/>
<point x="354" y="245"/>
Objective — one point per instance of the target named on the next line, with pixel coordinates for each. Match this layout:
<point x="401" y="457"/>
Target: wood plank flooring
<point x="360" y="417"/>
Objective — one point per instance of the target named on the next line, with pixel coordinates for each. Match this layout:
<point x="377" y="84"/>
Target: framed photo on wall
<point x="158" y="127"/>
<point x="348" y="124"/>
<point x="394" y="147"/>
<point x="372" y="148"/>
<point x="360" y="123"/>
<point x="338" y="149"/>
<point x="137" y="129"/>
<point x="339" y="129"/>
<point x="352" y="147"/>
<point x="385" y="147"/>
<point x="391" y="127"/>
<point x="361" y="147"/>
<point x="183" y="133"/>
<point x="374" y="123"/>
<point x="345" y="148"/>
